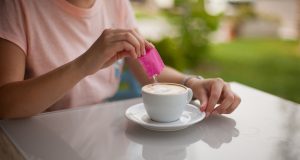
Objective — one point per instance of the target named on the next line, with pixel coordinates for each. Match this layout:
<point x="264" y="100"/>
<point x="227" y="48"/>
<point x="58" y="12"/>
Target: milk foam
<point x="164" y="89"/>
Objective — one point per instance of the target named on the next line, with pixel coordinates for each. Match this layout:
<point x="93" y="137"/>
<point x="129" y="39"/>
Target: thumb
<point x="116" y="57"/>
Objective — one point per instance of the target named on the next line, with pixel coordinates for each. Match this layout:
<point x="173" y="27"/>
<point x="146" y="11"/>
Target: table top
<point x="264" y="127"/>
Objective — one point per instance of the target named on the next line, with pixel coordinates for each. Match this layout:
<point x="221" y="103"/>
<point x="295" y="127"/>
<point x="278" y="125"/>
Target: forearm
<point x="171" y="75"/>
<point x="29" y="97"/>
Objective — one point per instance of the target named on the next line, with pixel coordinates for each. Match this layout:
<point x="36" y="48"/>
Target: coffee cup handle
<point x="189" y="95"/>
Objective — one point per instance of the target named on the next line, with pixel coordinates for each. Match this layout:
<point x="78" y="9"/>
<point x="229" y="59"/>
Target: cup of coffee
<point x="165" y="102"/>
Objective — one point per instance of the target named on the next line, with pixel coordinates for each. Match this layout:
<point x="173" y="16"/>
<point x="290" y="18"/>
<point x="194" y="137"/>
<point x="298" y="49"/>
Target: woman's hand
<point x="112" y="45"/>
<point x="211" y="92"/>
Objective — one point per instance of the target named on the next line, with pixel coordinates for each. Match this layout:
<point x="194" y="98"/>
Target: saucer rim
<point x="156" y="127"/>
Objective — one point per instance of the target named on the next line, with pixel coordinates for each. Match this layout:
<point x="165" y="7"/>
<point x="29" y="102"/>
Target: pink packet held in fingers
<point x="152" y="62"/>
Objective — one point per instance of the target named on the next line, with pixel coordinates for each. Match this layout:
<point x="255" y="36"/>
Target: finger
<point x="216" y="90"/>
<point x="128" y="36"/>
<point x="125" y="46"/>
<point x="223" y="97"/>
<point x="227" y="100"/>
<point x="203" y="98"/>
<point x="122" y="55"/>
<point x="141" y="41"/>
<point x="149" y="45"/>
<point x="235" y="104"/>
<point x="226" y="103"/>
<point x="117" y="57"/>
<point x="137" y="36"/>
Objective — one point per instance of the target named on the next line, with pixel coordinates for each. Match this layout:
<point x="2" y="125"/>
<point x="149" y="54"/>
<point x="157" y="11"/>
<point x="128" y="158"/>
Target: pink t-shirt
<point x="54" y="32"/>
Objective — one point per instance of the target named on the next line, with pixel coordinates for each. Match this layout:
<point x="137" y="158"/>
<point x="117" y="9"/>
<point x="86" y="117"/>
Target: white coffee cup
<point x="165" y="102"/>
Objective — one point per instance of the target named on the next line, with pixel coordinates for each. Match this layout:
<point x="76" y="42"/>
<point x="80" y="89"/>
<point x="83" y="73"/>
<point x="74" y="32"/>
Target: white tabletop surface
<point x="264" y="127"/>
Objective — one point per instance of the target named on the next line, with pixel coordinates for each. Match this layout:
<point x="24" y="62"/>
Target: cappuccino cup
<point x="165" y="102"/>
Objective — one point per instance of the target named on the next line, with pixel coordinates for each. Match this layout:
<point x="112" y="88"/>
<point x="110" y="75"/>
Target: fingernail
<point x="144" y="52"/>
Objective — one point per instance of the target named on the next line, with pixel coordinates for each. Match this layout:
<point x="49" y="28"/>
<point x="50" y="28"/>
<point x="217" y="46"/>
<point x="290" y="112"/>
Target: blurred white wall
<point x="286" y="10"/>
<point x="276" y="18"/>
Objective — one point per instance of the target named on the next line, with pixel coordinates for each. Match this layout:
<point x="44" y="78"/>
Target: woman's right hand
<point x="113" y="44"/>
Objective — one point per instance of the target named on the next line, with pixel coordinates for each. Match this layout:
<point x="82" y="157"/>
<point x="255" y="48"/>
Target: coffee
<point x="164" y="89"/>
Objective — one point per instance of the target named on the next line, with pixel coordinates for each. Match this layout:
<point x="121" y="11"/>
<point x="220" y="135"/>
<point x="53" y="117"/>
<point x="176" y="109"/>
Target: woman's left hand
<point x="215" y="91"/>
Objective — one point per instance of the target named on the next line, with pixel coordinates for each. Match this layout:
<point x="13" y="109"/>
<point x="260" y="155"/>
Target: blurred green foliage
<point x="190" y="45"/>
<point x="271" y="65"/>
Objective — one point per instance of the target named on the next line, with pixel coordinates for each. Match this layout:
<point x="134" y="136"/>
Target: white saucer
<point x="190" y="116"/>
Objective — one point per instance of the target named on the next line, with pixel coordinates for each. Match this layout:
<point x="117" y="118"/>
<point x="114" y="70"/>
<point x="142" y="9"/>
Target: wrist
<point x="189" y="80"/>
<point x="83" y="65"/>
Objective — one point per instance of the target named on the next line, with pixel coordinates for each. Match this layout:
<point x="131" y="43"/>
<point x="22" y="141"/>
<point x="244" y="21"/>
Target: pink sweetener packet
<point x="152" y="62"/>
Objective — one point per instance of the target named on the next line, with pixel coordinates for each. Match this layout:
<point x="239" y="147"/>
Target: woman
<point x="67" y="53"/>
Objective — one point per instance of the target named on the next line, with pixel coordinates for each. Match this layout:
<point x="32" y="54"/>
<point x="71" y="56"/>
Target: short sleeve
<point x="12" y="26"/>
<point x="127" y="14"/>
